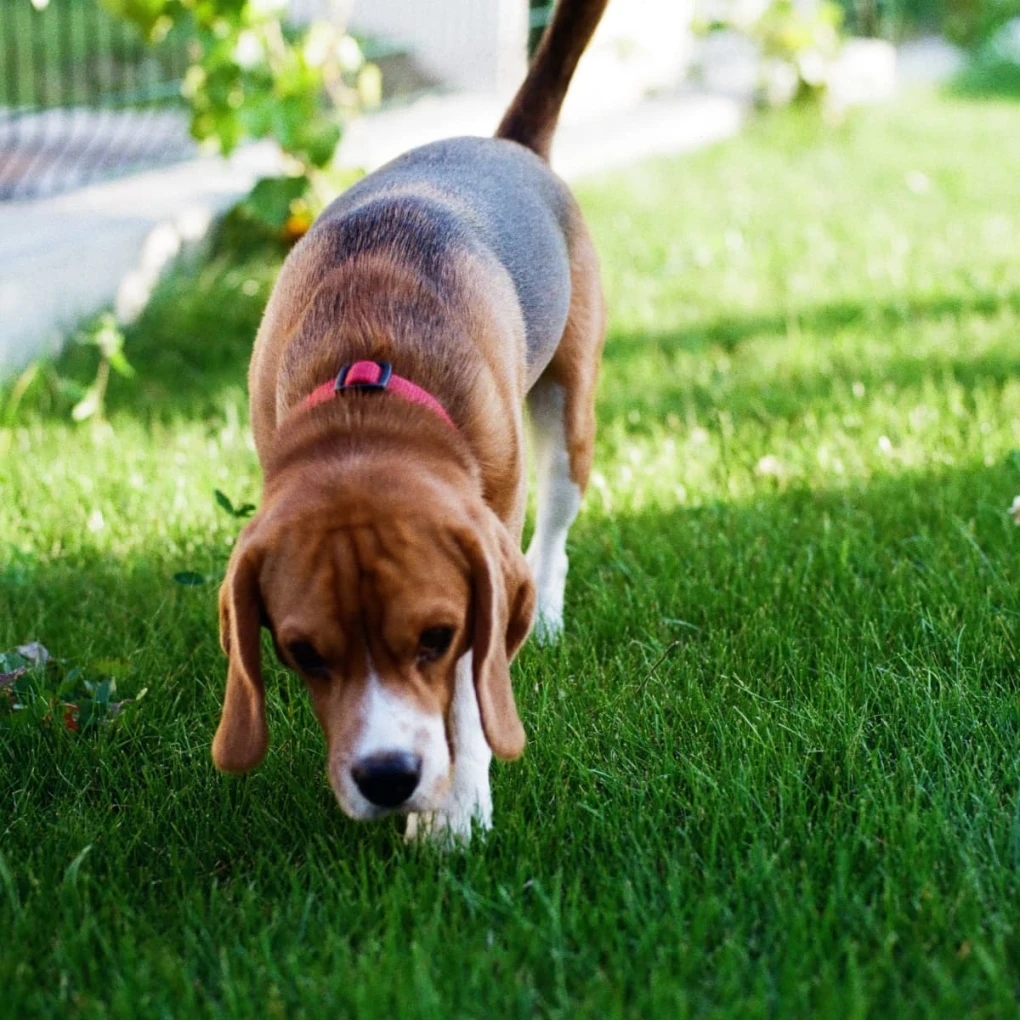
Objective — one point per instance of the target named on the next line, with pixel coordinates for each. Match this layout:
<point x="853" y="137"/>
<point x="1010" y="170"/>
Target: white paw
<point x="548" y="627"/>
<point x="448" y="830"/>
<point x="467" y="805"/>
<point x="550" y="575"/>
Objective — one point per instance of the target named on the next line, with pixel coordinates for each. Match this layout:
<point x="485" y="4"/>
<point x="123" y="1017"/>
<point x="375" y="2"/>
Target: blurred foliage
<point x="995" y="68"/>
<point x="964" y="22"/>
<point x="106" y="337"/>
<point x="798" y="42"/>
<point x="251" y="76"/>
<point x="968" y="23"/>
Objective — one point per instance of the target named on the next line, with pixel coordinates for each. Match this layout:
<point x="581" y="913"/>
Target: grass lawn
<point x="773" y="766"/>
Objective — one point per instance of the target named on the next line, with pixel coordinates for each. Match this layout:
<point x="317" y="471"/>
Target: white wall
<point x="480" y="45"/>
<point x="640" y="47"/>
<point x="477" y="45"/>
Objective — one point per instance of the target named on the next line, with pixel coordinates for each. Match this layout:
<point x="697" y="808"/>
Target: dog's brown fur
<point x="377" y="520"/>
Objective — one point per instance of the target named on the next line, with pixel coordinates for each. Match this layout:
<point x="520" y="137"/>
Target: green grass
<point x="987" y="75"/>
<point x="773" y="767"/>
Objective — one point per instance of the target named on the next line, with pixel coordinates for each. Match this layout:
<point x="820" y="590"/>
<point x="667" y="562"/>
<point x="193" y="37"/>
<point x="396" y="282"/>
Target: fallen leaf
<point x="71" y="717"/>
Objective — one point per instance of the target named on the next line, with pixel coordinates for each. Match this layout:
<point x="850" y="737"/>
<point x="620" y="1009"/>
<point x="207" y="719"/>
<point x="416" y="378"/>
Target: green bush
<point x="797" y="43"/>
<point x="971" y="22"/>
<point x="995" y="68"/>
<point x="250" y="76"/>
<point x="965" y="22"/>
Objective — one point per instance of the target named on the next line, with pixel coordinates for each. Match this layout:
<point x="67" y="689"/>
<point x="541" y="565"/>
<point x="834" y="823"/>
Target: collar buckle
<point x="362" y="371"/>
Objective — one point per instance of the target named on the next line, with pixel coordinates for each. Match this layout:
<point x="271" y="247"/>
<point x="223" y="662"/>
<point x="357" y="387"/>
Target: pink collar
<point x="376" y="375"/>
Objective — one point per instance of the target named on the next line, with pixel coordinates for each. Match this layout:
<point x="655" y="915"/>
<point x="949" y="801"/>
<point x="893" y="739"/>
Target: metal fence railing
<point x="82" y="96"/>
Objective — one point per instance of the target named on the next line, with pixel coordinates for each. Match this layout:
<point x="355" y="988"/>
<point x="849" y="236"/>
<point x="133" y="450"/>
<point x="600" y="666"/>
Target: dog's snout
<point x="389" y="778"/>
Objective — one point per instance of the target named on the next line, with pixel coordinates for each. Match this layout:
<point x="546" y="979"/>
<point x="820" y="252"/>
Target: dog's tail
<point x="531" y="117"/>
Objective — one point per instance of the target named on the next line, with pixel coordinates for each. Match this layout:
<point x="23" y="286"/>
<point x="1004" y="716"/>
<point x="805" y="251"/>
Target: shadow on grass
<point x="787" y="396"/>
<point x="823" y="767"/>
<point x="736" y="566"/>
<point x="730" y="333"/>
<point x="638" y="375"/>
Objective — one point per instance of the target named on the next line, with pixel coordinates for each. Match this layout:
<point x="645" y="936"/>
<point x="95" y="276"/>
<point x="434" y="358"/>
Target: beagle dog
<point x="445" y="288"/>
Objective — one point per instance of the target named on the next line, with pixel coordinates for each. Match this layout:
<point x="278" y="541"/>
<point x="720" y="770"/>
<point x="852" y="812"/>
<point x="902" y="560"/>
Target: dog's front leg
<point x="469" y="799"/>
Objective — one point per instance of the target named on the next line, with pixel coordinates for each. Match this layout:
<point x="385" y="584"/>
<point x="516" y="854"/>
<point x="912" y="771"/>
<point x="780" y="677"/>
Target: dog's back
<point x="473" y="197"/>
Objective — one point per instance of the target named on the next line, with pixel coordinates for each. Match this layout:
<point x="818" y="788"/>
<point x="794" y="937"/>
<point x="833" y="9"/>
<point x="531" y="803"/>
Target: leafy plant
<point x="108" y="338"/>
<point x="798" y="42"/>
<point x="194" y="578"/>
<point x="190" y="578"/>
<point x="44" y="384"/>
<point x="971" y="22"/>
<point x="224" y="503"/>
<point x="251" y="76"/>
<point x="37" y="689"/>
<point x="10" y="400"/>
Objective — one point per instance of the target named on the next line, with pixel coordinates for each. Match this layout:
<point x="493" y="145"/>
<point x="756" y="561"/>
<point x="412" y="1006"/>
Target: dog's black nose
<point x="389" y="778"/>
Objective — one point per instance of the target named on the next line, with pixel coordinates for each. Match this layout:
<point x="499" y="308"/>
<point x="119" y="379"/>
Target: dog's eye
<point x="306" y="658"/>
<point x="433" y="643"/>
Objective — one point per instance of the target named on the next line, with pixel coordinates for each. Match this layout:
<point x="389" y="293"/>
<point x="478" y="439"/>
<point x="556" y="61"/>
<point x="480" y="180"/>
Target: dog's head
<point x="373" y="596"/>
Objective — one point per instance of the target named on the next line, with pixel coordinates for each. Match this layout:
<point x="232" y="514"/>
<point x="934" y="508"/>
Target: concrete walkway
<point x="70" y="256"/>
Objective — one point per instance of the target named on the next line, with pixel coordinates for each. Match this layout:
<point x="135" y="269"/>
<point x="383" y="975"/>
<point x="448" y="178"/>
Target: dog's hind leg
<point x="559" y="499"/>
<point x="561" y="408"/>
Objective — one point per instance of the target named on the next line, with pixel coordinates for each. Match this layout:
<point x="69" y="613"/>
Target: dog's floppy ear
<point x="242" y="736"/>
<point x="504" y="604"/>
